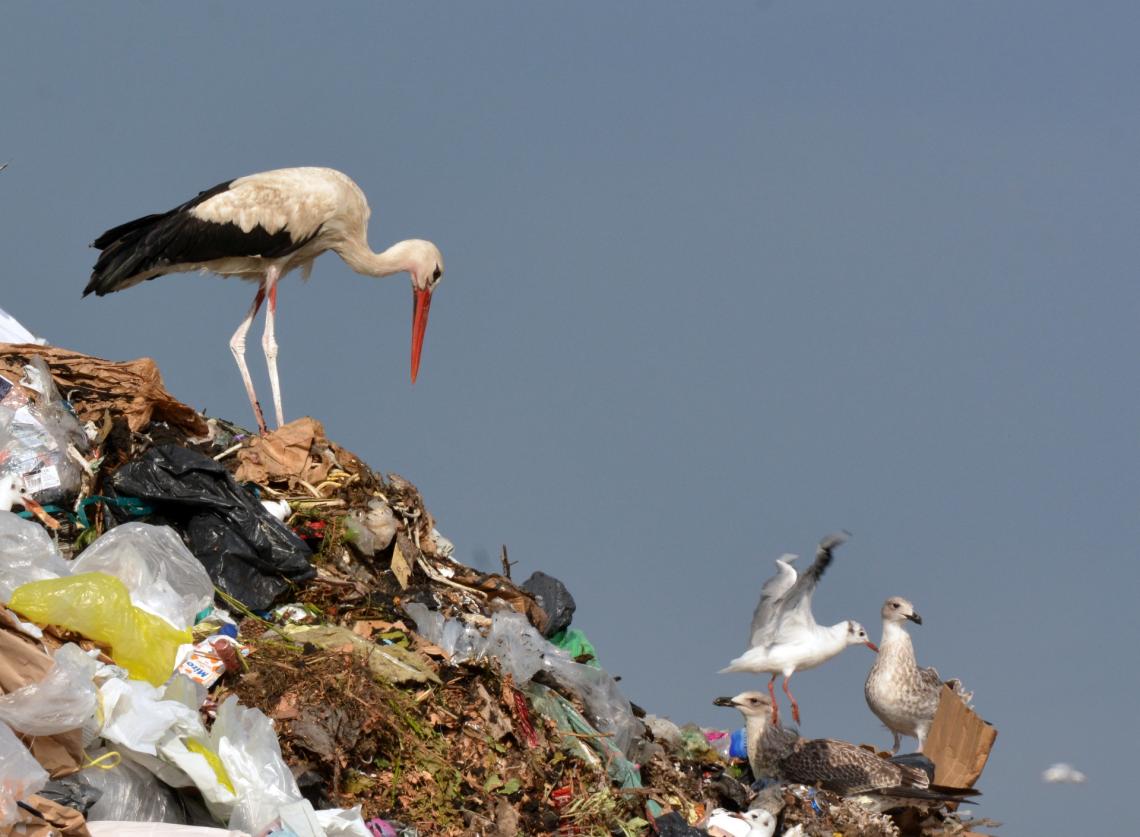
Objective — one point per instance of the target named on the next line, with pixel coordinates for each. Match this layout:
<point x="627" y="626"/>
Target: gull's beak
<point x="872" y="646"/>
<point x="422" y="303"/>
<point x="914" y="617"/>
<point x="723" y="701"/>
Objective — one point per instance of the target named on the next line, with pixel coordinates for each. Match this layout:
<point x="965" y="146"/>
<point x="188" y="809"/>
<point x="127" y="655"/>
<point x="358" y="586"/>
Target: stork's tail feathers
<point x="128" y="250"/>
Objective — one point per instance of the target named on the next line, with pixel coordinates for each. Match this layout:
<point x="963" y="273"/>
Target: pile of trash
<point x="205" y="629"/>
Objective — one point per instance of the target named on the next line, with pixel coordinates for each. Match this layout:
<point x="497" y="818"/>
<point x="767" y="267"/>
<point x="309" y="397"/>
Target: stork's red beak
<point x="422" y="302"/>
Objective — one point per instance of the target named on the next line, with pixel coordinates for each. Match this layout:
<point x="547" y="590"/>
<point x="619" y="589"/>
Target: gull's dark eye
<point x="437" y="273"/>
<point x="894" y="604"/>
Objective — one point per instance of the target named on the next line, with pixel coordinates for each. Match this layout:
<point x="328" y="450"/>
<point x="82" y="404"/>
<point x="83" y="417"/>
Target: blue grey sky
<point x="720" y="279"/>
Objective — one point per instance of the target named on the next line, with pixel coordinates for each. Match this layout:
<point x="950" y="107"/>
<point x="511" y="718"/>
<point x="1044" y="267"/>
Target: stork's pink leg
<point x="775" y="705"/>
<point x="237" y="346"/>
<point x="268" y="341"/>
<point x="795" y="706"/>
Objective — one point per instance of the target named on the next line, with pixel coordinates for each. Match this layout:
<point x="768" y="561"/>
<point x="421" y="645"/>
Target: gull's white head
<point x="857" y="635"/>
<point x="762" y="822"/>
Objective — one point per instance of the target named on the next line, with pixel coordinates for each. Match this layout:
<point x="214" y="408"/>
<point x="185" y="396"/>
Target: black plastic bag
<point x="553" y="597"/>
<point x="248" y="553"/>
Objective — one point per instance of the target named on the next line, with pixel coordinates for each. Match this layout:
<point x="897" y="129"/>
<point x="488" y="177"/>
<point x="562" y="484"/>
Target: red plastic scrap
<point x="524" y="720"/>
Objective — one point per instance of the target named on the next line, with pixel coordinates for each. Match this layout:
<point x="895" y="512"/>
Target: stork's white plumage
<point x="259" y="228"/>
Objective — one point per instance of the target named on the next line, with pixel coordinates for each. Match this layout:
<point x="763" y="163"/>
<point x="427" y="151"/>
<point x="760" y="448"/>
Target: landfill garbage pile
<point x="205" y="629"/>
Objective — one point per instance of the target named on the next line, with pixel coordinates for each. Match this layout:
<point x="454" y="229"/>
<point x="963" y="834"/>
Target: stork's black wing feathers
<point x="147" y="245"/>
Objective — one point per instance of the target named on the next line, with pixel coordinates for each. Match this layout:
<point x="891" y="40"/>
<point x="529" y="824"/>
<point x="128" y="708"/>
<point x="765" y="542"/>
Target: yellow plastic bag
<point x="98" y="606"/>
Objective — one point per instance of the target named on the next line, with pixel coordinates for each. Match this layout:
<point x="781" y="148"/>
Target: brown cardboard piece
<point x="133" y="388"/>
<point x="959" y="742"/>
<point x="291" y="452"/>
<point x="24" y="661"/>
<point x="57" y="821"/>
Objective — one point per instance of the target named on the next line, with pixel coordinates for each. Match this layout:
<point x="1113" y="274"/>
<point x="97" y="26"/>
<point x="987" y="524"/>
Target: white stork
<point x="259" y="228"/>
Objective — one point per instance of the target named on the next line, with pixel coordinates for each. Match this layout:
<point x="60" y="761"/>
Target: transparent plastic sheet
<point x="162" y="575"/>
<point x="132" y="793"/>
<point x="27" y="553"/>
<point x="20" y="775"/>
<point x="99" y="607"/>
<point x="62" y="701"/>
<point x="522" y="652"/>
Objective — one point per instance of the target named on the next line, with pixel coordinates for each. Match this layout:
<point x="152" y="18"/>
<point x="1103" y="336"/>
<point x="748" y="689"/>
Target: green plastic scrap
<point x="575" y="643"/>
<point x="586" y="743"/>
<point x="391" y="663"/>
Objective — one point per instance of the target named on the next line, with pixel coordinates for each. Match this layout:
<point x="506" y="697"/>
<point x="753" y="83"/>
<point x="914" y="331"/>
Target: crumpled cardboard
<point x="959" y="742"/>
<point x="291" y="452"/>
<point x="24" y="661"/>
<point x="56" y="821"/>
<point x="133" y="388"/>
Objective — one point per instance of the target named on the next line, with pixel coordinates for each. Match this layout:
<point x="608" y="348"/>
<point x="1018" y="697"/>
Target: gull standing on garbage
<point x="833" y="765"/>
<point x="785" y="637"/>
<point x="902" y="695"/>
<point x="259" y="228"/>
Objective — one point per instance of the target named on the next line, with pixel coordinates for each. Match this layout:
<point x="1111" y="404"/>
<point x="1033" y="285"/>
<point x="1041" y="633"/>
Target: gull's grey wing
<point x="766" y="614"/>
<point x="795" y="606"/>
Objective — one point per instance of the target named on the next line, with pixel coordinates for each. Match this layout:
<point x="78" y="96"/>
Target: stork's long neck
<point x="359" y="256"/>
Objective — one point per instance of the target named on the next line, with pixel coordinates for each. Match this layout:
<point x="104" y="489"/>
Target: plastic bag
<point x="20" y="775"/>
<point x="99" y="607"/>
<point x="553" y="597"/>
<point x="163" y="575"/>
<point x="62" y="701"/>
<point x="246" y="744"/>
<point x="27" y="553"/>
<point x="138" y="716"/>
<point x="247" y="552"/>
<point x="131" y="792"/>
<point x="34" y="437"/>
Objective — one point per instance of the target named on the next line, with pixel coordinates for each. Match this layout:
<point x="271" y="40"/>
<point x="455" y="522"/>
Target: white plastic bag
<point x="62" y="701"/>
<point x="246" y="743"/>
<point x="137" y="716"/>
<point x="162" y="575"/>
<point x="27" y="553"/>
<point x="20" y="775"/>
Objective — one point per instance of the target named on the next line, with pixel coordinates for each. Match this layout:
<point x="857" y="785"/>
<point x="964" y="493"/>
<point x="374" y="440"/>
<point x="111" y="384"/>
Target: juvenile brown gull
<point x="837" y="766"/>
<point x="902" y="695"/>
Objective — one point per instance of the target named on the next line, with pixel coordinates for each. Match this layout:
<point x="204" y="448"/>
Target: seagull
<point x="259" y="228"/>
<point x="837" y="766"/>
<point x="903" y="696"/>
<point x="784" y="636"/>
<point x="756" y="823"/>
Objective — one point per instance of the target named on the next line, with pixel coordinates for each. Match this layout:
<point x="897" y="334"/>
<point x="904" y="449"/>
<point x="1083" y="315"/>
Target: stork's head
<point x="425" y="264"/>
<point x="896" y="609"/>
<point x="857" y="635"/>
